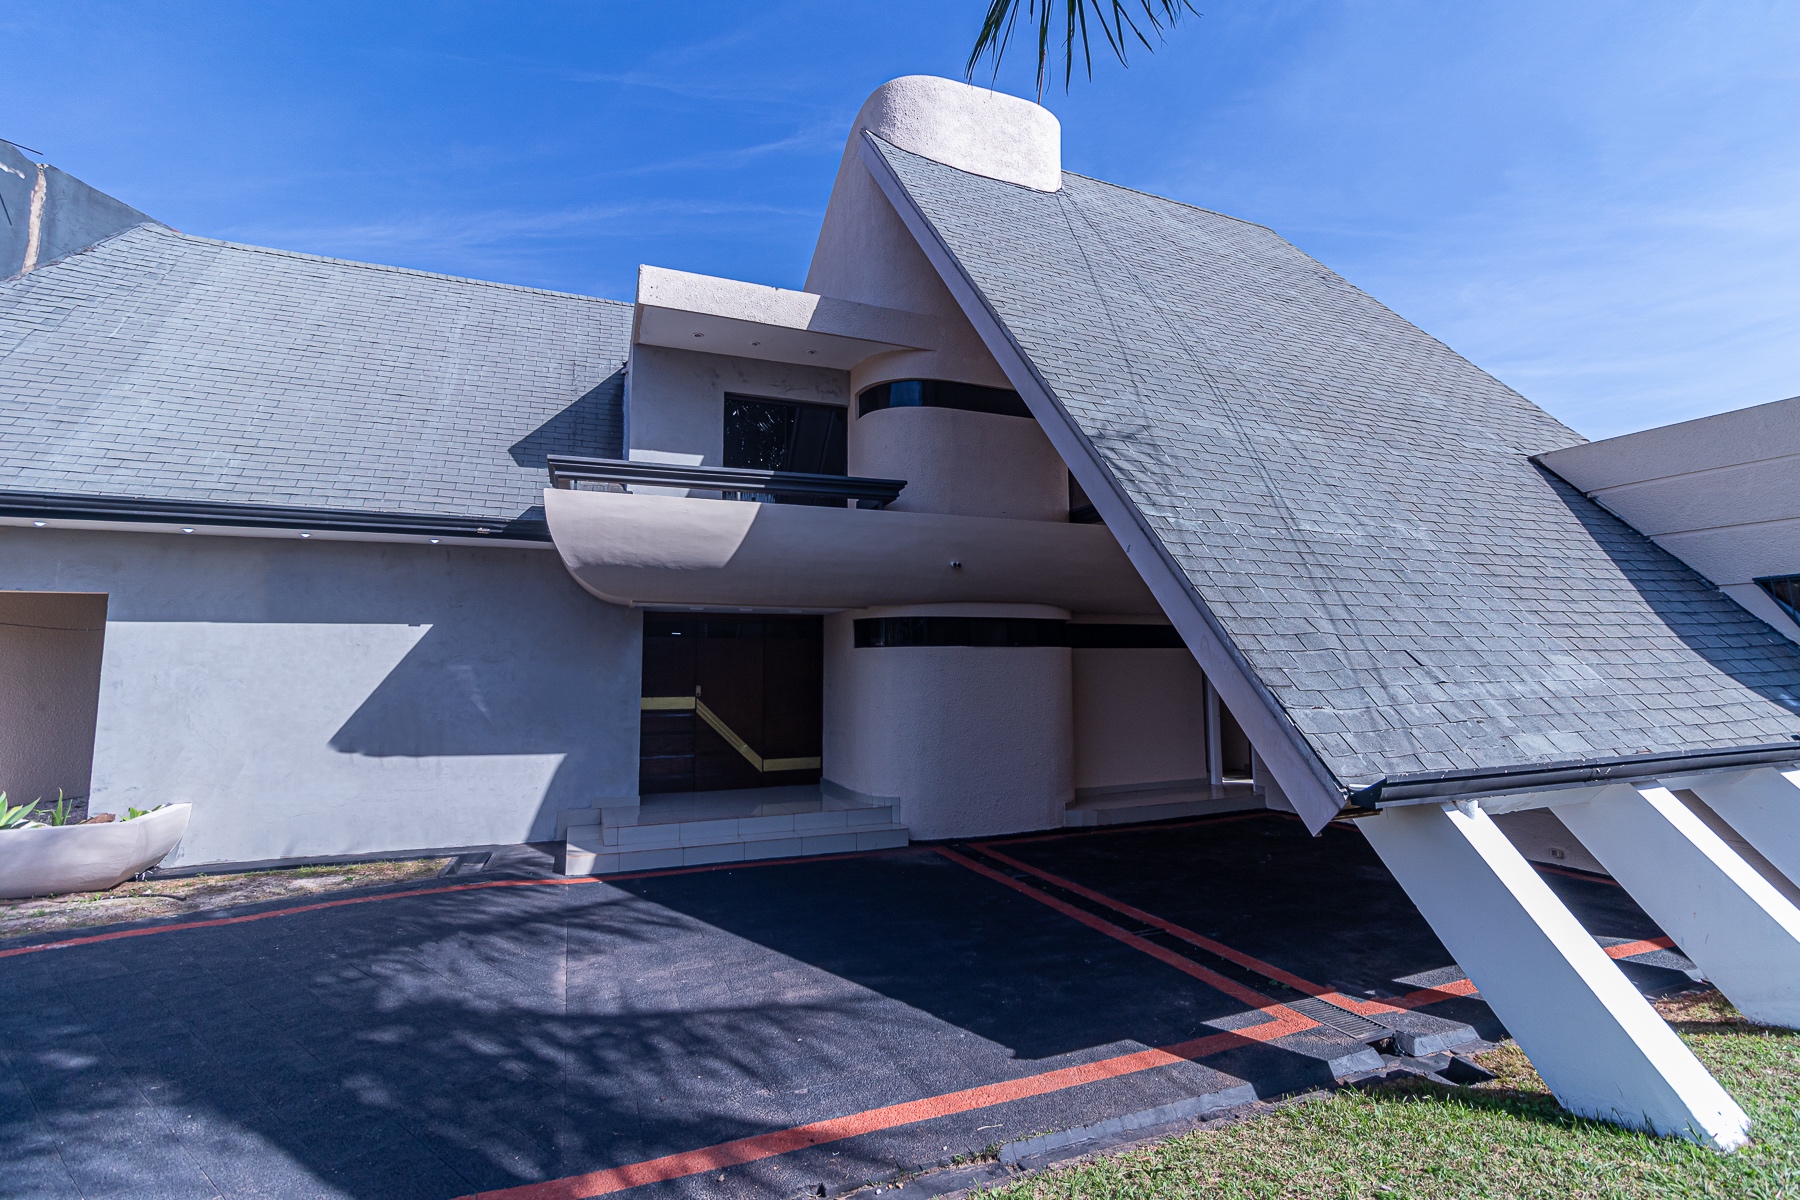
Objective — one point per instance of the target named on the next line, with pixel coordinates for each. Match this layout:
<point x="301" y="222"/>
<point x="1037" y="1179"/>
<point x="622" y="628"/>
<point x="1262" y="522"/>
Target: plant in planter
<point x="38" y="859"/>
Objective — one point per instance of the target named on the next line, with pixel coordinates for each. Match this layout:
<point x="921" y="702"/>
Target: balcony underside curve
<point x="630" y="549"/>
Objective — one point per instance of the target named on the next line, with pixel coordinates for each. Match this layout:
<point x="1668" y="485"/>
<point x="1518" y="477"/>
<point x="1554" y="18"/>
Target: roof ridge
<point x="370" y="266"/>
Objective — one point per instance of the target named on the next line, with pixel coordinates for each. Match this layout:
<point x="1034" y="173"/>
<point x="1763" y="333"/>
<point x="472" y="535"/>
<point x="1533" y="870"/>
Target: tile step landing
<point x="586" y="854"/>
<point x="694" y="828"/>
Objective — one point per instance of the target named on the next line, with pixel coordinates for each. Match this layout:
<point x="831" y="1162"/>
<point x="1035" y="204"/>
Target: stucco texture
<point x="318" y="698"/>
<point x="49" y="687"/>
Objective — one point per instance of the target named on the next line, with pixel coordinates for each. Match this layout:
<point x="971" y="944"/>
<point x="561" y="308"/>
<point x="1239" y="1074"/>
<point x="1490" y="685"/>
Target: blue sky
<point x="1598" y="202"/>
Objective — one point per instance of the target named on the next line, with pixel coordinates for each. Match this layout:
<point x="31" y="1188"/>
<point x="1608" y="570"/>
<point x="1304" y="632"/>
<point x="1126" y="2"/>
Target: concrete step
<point x="586" y="854"/>
<point x="1160" y="804"/>
<point x="668" y="834"/>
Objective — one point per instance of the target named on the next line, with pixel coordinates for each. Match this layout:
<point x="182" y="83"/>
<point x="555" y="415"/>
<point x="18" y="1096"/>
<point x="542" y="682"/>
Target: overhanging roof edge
<point x="1305" y="779"/>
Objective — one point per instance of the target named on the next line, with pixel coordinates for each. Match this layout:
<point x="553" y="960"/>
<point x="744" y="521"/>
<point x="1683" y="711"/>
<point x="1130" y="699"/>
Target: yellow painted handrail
<point x="698" y="707"/>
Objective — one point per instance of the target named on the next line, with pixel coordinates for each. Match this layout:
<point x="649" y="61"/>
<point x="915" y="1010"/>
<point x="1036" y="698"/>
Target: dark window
<point x="941" y="393"/>
<point x="776" y="435"/>
<point x="958" y="631"/>
<point x="1011" y="631"/>
<point x="1786" y="590"/>
<point x="1124" y="637"/>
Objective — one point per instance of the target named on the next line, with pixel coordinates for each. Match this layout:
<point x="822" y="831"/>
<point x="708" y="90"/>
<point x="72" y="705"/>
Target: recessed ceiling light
<point x="306" y="535"/>
<point x="187" y="529"/>
<point x="756" y="343"/>
<point x="39" y="524"/>
<point x="699" y="335"/>
<point x="434" y="541"/>
<point x="812" y="351"/>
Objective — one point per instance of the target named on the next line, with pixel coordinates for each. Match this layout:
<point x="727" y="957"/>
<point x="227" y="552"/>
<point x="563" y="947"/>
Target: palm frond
<point x="1116" y="20"/>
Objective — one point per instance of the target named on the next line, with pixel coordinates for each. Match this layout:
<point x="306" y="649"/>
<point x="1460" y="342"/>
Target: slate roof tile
<point x="1351" y="499"/>
<point x="158" y="365"/>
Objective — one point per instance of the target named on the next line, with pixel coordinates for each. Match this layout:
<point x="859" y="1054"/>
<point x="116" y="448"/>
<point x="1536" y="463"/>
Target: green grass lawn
<point x="1502" y="1139"/>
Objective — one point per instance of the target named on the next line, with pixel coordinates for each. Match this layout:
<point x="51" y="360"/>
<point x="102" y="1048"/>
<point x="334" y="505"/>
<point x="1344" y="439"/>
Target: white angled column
<point x="1597" y="1043"/>
<point x="1736" y="927"/>
<point x="1764" y="807"/>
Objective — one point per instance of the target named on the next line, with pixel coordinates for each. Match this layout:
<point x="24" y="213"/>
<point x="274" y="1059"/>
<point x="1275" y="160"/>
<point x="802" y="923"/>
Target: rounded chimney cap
<point x="970" y="128"/>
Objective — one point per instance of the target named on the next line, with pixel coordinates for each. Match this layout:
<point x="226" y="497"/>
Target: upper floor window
<point x="781" y="435"/>
<point x="1786" y="590"/>
<point x="940" y="393"/>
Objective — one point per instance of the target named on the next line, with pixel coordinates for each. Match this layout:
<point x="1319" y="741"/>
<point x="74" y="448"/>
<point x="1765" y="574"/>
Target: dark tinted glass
<point x="941" y="393"/>
<point x="1011" y="631"/>
<point x="1786" y="590"/>
<point x="773" y="435"/>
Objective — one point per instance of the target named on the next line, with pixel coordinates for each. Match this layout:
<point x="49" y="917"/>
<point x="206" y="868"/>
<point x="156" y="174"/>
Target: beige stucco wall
<point x="676" y="410"/>
<point x="963" y="740"/>
<point x="1140" y="718"/>
<point x="50" y="649"/>
<point x="321" y="697"/>
<point x="970" y="464"/>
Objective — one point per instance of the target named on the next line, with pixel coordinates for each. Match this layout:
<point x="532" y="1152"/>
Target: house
<point x="1045" y="502"/>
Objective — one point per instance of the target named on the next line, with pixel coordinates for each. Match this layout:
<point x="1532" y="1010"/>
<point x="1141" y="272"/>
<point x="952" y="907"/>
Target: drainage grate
<point x="1347" y="1023"/>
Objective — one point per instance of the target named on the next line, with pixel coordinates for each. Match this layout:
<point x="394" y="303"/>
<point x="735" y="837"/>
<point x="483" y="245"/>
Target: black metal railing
<point x="783" y="487"/>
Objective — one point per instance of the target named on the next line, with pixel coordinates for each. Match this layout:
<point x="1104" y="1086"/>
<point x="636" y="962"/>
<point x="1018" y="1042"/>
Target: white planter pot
<point x="86" y="858"/>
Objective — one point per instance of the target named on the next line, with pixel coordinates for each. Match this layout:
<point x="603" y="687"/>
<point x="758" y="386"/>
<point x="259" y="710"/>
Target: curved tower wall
<point x="965" y="739"/>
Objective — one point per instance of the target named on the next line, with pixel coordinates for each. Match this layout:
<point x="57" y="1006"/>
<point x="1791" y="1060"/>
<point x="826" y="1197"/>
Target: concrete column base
<point x="1599" y="1045"/>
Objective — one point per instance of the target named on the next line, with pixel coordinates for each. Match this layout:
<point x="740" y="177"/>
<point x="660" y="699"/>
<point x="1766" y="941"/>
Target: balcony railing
<point x="735" y="483"/>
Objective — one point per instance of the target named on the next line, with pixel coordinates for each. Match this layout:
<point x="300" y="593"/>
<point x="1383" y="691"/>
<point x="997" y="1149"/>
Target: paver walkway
<point x="758" y="1030"/>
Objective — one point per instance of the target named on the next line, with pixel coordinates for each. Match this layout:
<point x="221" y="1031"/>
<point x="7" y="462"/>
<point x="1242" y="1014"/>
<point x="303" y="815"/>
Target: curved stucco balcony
<point x="676" y="550"/>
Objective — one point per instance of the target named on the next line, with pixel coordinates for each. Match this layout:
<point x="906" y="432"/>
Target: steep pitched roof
<point x="163" y="366"/>
<point x="1354" y="503"/>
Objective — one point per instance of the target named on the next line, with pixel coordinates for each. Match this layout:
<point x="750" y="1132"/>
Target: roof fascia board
<point x="1316" y="795"/>
<point x="154" y="515"/>
<point x="756" y="304"/>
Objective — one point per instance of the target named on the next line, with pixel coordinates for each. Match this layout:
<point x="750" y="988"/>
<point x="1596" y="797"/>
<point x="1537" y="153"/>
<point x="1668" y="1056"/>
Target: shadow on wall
<point x="594" y="425"/>
<point x="1707" y="621"/>
<point x="476" y="686"/>
<point x="50" y="646"/>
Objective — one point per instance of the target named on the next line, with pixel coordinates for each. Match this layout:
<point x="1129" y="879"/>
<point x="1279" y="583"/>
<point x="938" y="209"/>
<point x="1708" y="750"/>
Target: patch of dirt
<point x="133" y="901"/>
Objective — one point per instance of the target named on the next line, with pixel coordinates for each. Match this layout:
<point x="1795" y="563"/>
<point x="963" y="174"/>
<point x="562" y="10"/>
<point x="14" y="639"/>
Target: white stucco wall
<point x="964" y="740"/>
<point x="320" y="697"/>
<point x="1140" y="718"/>
<point x="1721" y="493"/>
<point x="50" y="646"/>
<point x="970" y="464"/>
<point x="676" y="408"/>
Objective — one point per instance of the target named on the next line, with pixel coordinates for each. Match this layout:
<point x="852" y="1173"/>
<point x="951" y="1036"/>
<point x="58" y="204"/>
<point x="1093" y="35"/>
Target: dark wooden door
<point x="730" y="702"/>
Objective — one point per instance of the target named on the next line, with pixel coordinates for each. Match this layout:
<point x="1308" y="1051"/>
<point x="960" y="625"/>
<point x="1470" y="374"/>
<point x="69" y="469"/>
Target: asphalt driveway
<point x="764" y="1030"/>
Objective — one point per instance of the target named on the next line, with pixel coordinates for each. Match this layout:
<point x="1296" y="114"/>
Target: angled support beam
<point x="1597" y="1043"/>
<point x="1764" y="807"/>
<point x="1734" y="925"/>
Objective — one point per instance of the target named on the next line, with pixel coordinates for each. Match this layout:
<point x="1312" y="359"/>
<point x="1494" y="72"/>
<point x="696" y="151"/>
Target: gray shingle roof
<point x="1354" y="502"/>
<point x="159" y="365"/>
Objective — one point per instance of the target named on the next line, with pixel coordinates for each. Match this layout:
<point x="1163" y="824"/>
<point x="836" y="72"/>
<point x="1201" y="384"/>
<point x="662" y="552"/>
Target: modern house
<point x="1046" y="502"/>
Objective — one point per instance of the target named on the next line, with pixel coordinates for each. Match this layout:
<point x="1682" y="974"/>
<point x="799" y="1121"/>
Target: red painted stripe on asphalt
<point x="560" y="881"/>
<point x="1268" y="970"/>
<point x="1456" y="989"/>
<point x="1292" y="1021"/>
<point x="1633" y="949"/>
<point x="874" y="1120"/>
